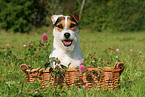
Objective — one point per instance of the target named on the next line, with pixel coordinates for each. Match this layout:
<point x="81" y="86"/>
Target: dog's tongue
<point x="67" y="42"/>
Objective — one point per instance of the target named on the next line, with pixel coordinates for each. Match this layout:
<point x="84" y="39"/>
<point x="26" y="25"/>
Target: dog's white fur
<point x="66" y="55"/>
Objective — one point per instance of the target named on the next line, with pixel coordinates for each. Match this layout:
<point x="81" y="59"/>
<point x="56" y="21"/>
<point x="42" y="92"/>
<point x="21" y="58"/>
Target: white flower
<point x="116" y="57"/>
<point x="36" y="92"/>
<point x="9" y="83"/>
<point x="131" y="50"/>
<point x="24" y="45"/>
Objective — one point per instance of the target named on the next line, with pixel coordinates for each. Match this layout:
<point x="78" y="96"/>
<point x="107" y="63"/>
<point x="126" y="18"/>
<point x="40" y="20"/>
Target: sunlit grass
<point x="131" y="52"/>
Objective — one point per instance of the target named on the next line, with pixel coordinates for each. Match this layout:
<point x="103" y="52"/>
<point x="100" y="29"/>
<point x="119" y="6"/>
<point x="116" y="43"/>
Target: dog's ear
<point x="55" y="17"/>
<point x="76" y="18"/>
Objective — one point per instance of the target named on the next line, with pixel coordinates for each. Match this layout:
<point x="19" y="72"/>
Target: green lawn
<point x="131" y="52"/>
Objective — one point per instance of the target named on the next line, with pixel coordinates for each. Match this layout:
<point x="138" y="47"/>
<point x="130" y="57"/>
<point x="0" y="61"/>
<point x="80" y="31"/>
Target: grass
<point x="131" y="52"/>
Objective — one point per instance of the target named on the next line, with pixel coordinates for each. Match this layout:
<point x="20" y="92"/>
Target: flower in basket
<point x="58" y="61"/>
<point x="61" y="70"/>
<point x="44" y="38"/>
<point x="85" y="86"/>
<point x="82" y="68"/>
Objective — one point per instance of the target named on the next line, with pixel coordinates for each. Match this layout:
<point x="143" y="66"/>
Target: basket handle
<point x="24" y="67"/>
<point x="119" y="65"/>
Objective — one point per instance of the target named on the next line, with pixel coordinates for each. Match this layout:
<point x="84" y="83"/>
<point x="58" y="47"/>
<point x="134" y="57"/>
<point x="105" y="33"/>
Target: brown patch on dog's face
<point x="73" y="21"/>
<point x="71" y="24"/>
<point x="60" y="24"/>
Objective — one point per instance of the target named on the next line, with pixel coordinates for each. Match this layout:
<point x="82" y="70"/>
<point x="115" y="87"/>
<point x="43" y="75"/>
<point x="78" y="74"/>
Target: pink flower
<point x="84" y="86"/>
<point x="58" y="61"/>
<point x="44" y="38"/>
<point x="93" y="61"/>
<point x="61" y="70"/>
<point x="5" y="50"/>
<point x="117" y="50"/>
<point x="140" y="52"/>
<point x="29" y="42"/>
<point x="116" y="57"/>
<point x="31" y="45"/>
<point x="82" y="68"/>
<point x="7" y="45"/>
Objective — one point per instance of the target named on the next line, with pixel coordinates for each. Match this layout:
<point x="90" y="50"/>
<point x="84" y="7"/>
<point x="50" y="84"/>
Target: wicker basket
<point x="106" y="78"/>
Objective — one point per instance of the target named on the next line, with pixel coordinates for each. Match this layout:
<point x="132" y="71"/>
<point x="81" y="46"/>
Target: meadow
<point x="107" y="48"/>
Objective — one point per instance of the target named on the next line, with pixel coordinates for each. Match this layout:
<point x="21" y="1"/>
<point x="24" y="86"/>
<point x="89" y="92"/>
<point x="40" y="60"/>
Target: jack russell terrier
<point x="66" y="40"/>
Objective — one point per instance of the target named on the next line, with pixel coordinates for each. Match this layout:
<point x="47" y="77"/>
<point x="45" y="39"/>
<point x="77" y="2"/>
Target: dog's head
<point x="66" y="31"/>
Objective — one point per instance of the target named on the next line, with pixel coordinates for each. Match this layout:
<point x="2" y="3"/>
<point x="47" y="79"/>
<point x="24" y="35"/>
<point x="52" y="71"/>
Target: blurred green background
<point x="97" y="15"/>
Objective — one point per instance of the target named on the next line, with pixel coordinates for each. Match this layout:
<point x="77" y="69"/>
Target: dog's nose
<point x="67" y="35"/>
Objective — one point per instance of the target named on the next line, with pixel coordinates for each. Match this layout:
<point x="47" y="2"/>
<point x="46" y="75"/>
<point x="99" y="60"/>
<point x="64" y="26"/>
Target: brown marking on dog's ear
<point x="75" y="18"/>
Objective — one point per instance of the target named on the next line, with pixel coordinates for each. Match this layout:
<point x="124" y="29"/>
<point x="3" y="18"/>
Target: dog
<point x="66" y="40"/>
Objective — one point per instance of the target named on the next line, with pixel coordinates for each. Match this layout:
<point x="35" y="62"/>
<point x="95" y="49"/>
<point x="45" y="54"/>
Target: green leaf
<point x="77" y="67"/>
<point x="64" y="67"/>
<point x="93" y="71"/>
<point x="51" y="58"/>
<point x="69" y="65"/>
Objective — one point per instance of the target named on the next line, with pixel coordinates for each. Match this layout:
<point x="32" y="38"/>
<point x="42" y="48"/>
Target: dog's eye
<point x="60" y="26"/>
<point x="72" y="25"/>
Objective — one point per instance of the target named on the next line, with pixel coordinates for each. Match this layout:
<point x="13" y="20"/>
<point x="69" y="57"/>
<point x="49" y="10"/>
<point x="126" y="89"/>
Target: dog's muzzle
<point x="67" y="42"/>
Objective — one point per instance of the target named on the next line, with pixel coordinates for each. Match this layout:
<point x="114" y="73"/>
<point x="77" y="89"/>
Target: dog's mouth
<point x="67" y="43"/>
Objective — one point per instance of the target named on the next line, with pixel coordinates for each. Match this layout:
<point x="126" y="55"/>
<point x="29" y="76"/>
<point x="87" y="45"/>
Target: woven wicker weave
<point x="106" y="78"/>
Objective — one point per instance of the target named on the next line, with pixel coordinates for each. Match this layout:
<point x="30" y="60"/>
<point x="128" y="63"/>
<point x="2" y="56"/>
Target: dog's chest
<point x="75" y="58"/>
<point x="65" y="60"/>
